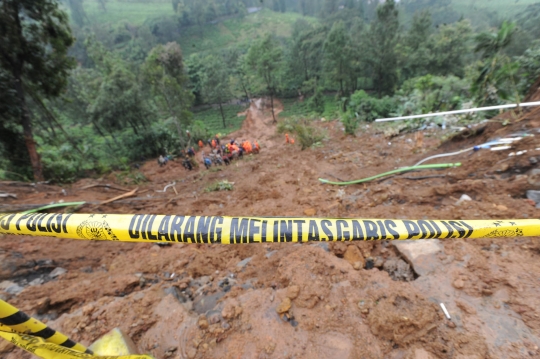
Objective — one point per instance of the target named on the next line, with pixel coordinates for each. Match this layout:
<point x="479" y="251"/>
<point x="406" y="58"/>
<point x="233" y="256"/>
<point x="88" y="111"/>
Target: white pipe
<point x="525" y="104"/>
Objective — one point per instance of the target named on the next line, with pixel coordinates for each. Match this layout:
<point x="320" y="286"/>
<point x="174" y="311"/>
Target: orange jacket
<point x="200" y="144"/>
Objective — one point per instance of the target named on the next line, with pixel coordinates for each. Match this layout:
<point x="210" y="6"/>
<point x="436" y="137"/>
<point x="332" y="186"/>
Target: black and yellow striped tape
<point x="37" y="338"/>
<point x="151" y="228"/>
<point x="20" y="322"/>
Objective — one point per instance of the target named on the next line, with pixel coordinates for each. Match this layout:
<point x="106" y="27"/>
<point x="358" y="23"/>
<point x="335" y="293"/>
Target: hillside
<point x="192" y="39"/>
<point x="208" y="301"/>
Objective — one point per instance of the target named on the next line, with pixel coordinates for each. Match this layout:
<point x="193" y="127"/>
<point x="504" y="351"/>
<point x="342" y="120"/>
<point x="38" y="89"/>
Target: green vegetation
<point x="211" y="118"/>
<point x="294" y="107"/>
<point x="152" y="77"/>
<point x="220" y="186"/>
<point x="136" y="13"/>
<point x="302" y="131"/>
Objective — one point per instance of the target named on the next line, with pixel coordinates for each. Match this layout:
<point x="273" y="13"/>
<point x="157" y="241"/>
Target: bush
<point x="308" y="135"/>
<point x="367" y="108"/>
<point x="350" y="122"/>
<point x="301" y="129"/>
<point x="316" y="102"/>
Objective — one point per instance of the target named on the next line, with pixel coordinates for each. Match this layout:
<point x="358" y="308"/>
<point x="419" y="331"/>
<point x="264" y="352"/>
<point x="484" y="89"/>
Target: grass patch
<point x="220" y="186"/>
<point x="505" y="8"/>
<point x="133" y="12"/>
<point x="211" y="117"/>
<point x="238" y="32"/>
<point x="293" y="107"/>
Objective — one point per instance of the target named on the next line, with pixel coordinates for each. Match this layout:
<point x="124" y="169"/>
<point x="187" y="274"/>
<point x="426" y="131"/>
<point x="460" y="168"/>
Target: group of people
<point x="219" y="153"/>
<point x="224" y="153"/>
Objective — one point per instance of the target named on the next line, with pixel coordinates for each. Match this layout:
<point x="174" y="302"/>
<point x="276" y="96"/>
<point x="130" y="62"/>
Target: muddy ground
<point x="318" y="300"/>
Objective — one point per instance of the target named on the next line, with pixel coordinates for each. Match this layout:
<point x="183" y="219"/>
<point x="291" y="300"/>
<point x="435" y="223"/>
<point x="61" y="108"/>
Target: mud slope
<point x="198" y="301"/>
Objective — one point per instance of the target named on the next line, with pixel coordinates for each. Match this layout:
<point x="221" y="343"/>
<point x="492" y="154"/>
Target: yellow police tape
<point x="45" y="350"/>
<point x="236" y="230"/>
<point x="13" y="320"/>
<point x="36" y="337"/>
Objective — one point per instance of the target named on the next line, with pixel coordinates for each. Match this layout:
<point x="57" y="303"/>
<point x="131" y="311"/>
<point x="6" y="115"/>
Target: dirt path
<point x="221" y="301"/>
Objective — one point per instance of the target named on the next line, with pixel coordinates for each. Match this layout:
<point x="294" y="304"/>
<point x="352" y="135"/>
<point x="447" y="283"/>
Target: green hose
<point x="55" y="205"/>
<point x="399" y="170"/>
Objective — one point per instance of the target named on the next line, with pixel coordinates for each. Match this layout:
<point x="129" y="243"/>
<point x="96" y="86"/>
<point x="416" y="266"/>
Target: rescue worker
<point x="161" y="161"/>
<point x="213" y="143"/>
<point x="191" y="152"/>
<point x="201" y="144"/>
<point x="187" y="163"/>
<point x="207" y="162"/>
<point x="286" y="138"/>
<point x="217" y="140"/>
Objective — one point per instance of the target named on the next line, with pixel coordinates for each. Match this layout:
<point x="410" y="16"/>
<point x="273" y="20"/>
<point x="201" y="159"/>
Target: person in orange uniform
<point x="201" y="145"/>
<point x="213" y="143"/>
<point x="256" y="147"/>
<point x="247" y="147"/>
<point x="286" y="138"/>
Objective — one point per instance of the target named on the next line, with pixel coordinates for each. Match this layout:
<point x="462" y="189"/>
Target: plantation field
<point x="293" y="107"/>
<point x="211" y="118"/>
<point x="504" y="8"/>
<point x="133" y="12"/>
<point x="237" y="31"/>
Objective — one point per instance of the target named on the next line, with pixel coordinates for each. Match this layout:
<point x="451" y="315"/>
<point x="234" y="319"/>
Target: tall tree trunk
<point x="272" y="105"/>
<point x="222" y="115"/>
<point x="35" y="160"/>
<point x="52" y="119"/>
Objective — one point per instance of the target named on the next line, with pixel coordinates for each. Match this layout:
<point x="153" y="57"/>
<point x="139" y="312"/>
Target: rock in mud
<point x="463" y="198"/>
<point x="534" y="178"/>
<point x="204" y="303"/>
<point x="293" y="291"/>
<point x="231" y="311"/>
<point x="214" y="316"/>
<point x="310" y="211"/>
<point x="57" y="272"/>
<point x="284" y="306"/>
<point x="354" y="257"/>
<point x="244" y="263"/>
<point x="37" y="281"/>
<point x="398" y="269"/>
<point x="10" y="287"/>
<point x="203" y="322"/>
<point x="534" y="195"/>
<point x="420" y="254"/>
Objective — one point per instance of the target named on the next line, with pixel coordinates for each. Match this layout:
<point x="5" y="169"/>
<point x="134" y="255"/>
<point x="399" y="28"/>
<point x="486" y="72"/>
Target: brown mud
<point x="317" y="300"/>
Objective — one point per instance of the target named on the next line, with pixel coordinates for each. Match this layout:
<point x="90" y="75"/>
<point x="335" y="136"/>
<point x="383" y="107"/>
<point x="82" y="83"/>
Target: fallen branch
<point x="106" y="186"/>
<point x="122" y="196"/>
<point x="6" y="195"/>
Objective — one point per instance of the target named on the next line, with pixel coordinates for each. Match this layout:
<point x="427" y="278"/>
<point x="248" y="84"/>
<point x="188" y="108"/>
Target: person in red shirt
<point x="201" y="145"/>
<point x="286" y="138"/>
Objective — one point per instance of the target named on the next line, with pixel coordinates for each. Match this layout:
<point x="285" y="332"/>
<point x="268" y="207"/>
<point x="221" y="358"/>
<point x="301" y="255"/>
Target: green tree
<point x="382" y="38"/>
<point x="305" y="52"/>
<point x="216" y="85"/>
<point x="415" y="49"/>
<point x="338" y="55"/>
<point x="449" y="48"/>
<point x="497" y="70"/>
<point x="265" y="57"/>
<point x="163" y="70"/>
<point x="34" y="40"/>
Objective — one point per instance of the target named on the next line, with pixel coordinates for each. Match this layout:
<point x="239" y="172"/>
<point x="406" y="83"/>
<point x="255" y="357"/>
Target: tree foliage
<point x="34" y="40"/>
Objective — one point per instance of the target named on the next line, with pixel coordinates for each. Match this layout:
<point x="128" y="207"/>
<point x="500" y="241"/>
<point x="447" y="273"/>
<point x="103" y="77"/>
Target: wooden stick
<point x="122" y="196"/>
<point x="105" y="185"/>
